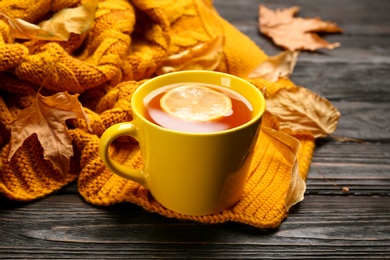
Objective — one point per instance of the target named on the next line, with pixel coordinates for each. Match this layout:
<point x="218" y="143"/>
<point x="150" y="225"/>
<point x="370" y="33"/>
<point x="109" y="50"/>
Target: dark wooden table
<point x="327" y="224"/>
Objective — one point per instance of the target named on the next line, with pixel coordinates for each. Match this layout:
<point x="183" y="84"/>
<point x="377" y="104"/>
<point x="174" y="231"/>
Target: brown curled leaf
<point x="295" y="33"/>
<point x="289" y="146"/>
<point x="300" y="109"/>
<point x="46" y="118"/>
<point x="275" y="67"/>
<point x="58" y="27"/>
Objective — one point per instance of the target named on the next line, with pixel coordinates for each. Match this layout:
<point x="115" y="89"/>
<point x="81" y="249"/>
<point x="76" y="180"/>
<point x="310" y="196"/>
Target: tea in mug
<point x="197" y="108"/>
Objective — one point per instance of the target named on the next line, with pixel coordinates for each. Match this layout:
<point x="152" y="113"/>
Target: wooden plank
<point x="341" y="82"/>
<point x="64" y="226"/>
<point x="363" y="168"/>
<point x="331" y="151"/>
<point x="364" y="120"/>
<point x="354" y="49"/>
<point x="358" y="15"/>
<point x="357" y="178"/>
<point x="350" y="8"/>
<point x="364" y="39"/>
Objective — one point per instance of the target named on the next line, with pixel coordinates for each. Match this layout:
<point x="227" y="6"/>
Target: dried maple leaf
<point x="58" y="27"/>
<point x="204" y="56"/>
<point x="295" y="33"/>
<point x="300" y="109"/>
<point x="275" y="67"/>
<point x="46" y="118"/>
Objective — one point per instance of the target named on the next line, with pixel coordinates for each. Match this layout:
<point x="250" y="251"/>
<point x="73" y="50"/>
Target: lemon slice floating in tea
<point x="196" y="103"/>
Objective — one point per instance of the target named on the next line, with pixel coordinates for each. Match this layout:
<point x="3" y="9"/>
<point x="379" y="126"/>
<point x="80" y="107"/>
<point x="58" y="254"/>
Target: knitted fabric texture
<point x="127" y="44"/>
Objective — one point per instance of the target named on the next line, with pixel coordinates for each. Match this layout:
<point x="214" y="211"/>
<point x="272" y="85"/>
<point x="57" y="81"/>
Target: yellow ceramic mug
<point x="189" y="173"/>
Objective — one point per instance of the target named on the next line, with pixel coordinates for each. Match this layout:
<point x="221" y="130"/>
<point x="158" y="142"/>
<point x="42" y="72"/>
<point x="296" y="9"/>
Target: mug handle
<point x="111" y="133"/>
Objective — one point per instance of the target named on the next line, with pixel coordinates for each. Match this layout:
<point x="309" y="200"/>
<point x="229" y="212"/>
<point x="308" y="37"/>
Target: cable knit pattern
<point x="127" y="43"/>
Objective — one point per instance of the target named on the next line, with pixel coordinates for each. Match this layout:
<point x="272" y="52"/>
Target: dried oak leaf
<point x="300" y="109"/>
<point x="46" y="118"/>
<point x="295" y="33"/>
<point x="204" y="56"/>
<point x="58" y="27"/>
<point x="275" y="67"/>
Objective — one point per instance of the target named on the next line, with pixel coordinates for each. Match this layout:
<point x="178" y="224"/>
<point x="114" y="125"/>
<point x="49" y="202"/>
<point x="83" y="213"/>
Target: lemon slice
<point x="196" y="103"/>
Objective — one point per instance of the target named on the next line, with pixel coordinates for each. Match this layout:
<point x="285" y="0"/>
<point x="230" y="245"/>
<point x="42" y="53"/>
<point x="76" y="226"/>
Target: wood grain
<point x="355" y="83"/>
<point x="337" y="227"/>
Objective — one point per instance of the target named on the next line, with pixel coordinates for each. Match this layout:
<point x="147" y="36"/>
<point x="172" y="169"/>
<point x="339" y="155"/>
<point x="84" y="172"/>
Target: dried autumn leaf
<point x="204" y="56"/>
<point x="72" y="20"/>
<point x="59" y="26"/>
<point x="46" y="118"/>
<point x="295" y="33"/>
<point x="275" y="67"/>
<point x="21" y="29"/>
<point x="297" y="188"/>
<point x="300" y="109"/>
<point x="288" y="146"/>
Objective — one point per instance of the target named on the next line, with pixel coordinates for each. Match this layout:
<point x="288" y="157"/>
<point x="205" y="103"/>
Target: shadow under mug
<point x="189" y="173"/>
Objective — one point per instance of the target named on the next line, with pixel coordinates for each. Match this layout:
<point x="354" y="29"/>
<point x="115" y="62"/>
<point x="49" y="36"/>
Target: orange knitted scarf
<point x="129" y="43"/>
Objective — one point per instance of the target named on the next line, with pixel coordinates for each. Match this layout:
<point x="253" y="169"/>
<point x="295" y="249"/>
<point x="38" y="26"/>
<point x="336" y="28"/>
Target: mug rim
<point x="256" y="117"/>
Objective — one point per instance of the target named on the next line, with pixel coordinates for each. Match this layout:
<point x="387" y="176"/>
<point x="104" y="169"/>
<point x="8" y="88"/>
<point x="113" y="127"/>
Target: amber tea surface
<point x="239" y="114"/>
